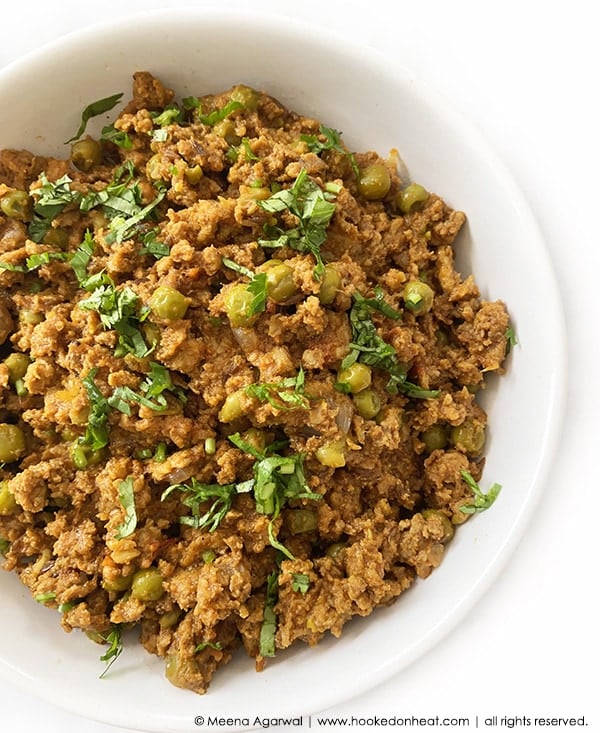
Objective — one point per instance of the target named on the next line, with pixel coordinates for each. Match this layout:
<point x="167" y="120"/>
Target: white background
<point x="526" y="73"/>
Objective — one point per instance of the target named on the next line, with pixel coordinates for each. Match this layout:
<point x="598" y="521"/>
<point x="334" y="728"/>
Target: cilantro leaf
<point x="278" y="394"/>
<point x="34" y="261"/>
<point x="333" y="141"/>
<point x="257" y="286"/>
<point x="96" y="434"/>
<point x="93" y="110"/>
<point x="511" y="339"/>
<point x="196" y="494"/>
<point x="218" y="115"/>
<point x="122" y="226"/>
<point x="118" y="137"/>
<point x="153" y="246"/>
<point x="127" y="501"/>
<point x="266" y="644"/>
<point x="369" y="348"/>
<point x="152" y="391"/>
<point x="45" y="597"/>
<point x="300" y="582"/>
<point x="313" y="209"/>
<point x="208" y="645"/>
<point x="115" y="648"/>
<point x="119" y="310"/>
<point x="80" y="259"/>
<point x="50" y="199"/>
<point x="277" y="479"/>
<point x="168" y="116"/>
<point x="482" y="501"/>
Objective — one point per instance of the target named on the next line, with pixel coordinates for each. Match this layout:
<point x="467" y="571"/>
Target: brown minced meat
<point x="144" y="411"/>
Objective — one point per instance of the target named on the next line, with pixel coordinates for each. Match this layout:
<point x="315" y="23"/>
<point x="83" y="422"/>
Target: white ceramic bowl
<point x="377" y="106"/>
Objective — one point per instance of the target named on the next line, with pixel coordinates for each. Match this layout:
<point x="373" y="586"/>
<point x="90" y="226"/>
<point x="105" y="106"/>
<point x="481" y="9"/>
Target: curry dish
<point x="238" y="378"/>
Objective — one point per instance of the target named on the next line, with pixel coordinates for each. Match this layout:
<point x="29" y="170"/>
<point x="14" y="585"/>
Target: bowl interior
<point x="377" y="105"/>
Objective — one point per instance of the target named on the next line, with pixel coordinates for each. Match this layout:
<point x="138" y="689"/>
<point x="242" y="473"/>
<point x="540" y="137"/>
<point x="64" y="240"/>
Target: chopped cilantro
<point x="511" y="338"/>
<point x="257" y="286"/>
<point x="119" y="310"/>
<point x="51" y="198"/>
<point x="115" y="648"/>
<point x="482" y="501"/>
<point x="80" y="259"/>
<point x="168" y="116"/>
<point x="196" y="494"/>
<point x="151" y="245"/>
<point x="93" y="110"/>
<point x="313" y="209"/>
<point x="368" y="347"/>
<point x="208" y="645"/>
<point x="268" y="627"/>
<point x="218" y="115"/>
<point x="34" y="261"/>
<point x="96" y="434"/>
<point x="127" y="501"/>
<point x="300" y="582"/>
<point x="118" y="137"/>
<point x="122" y="227"/>
<point x="277" y="479"/>
<point x="152" y="391"/>
<point x="333" y="141"/>
<point x="283" y="395"/>
<point x="45" y="597"/>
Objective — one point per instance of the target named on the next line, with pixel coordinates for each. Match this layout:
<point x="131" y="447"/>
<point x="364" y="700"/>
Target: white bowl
<point x="377" y="106"/>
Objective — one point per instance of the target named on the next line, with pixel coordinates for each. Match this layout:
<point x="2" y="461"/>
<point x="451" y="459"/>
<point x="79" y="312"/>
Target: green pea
<point x="83" y="456"/>
<point x="119" y="583"/>
<point x="468" y="436"/>
<point x="58" y="238"/>
<point x="17" y="364"/>
<point x="367" y="404"/>
<point x="332" y="455"/>
<point x="154" y="167"/>
<point x="356" y="377"/>
<point x="439" y="516"/>
<point x="151" y="333"/>
<point x="193" y="174"/>
<point x="31" y="318"/>
<point x="411" y="198"/>
<point x="209" y="556"/>
<point x="418" y="297"/>
<point x="280" y="282"/>
<point x="245" y="95"/>
<point x="168" y="303"/>
<point x="331" y="283"/>
<point x="374" y="182"/>
<point x="435" y="437"/>
<point x="226" y="130"/>
<point x="12" y="443"/>
<point x="238" y="306"/>
<point x="169" y="619"/>
<point x="255" y="437"/>
<point x="334" y="549"/>
<point x="233" y="407"/>
<point x="16" y="204"/>
<point x="86" y="154"/>
<point x="147" y="585"/>
<point x="302" y="520"/>
<point x="8" y="503"/>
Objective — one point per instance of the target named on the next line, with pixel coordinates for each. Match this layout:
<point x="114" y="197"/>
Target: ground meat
<point x="238" y="387"/>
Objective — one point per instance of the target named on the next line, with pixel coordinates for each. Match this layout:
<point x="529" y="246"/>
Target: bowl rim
<point x="431" y="97"/>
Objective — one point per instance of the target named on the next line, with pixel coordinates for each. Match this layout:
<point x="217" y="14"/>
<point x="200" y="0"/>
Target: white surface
<point x="526" y="78"/>
<point x="393" y="110"/>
